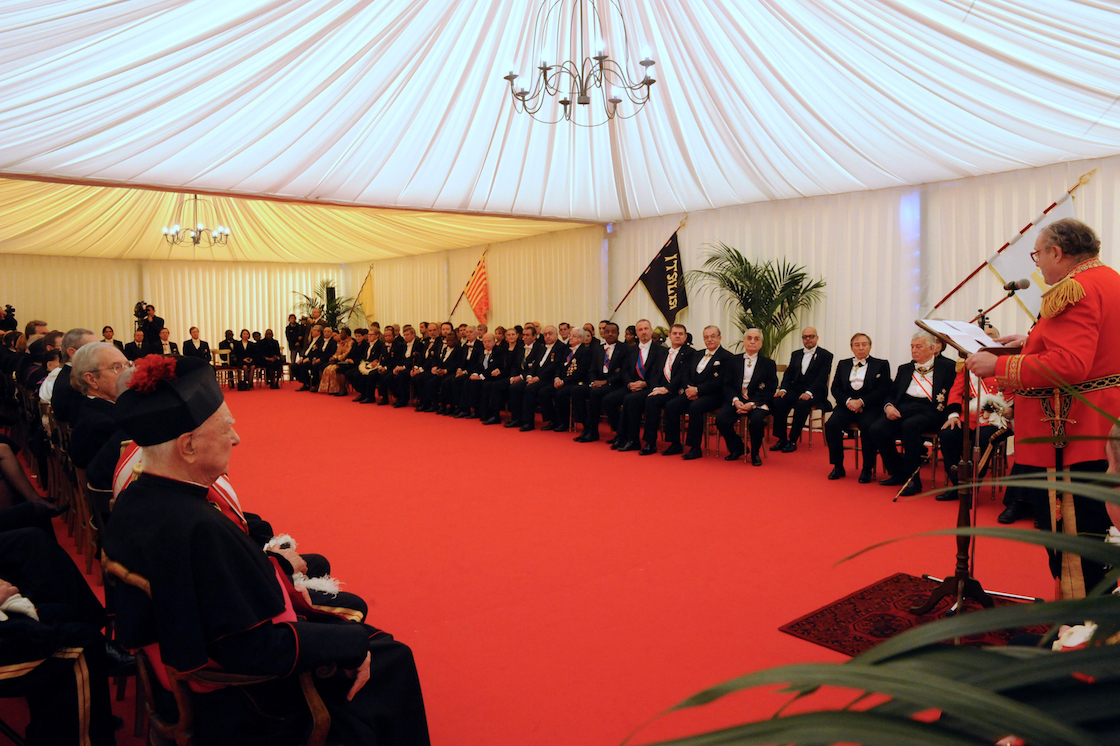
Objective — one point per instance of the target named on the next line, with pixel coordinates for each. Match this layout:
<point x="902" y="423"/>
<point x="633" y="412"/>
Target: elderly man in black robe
<point x="217" y="599"/>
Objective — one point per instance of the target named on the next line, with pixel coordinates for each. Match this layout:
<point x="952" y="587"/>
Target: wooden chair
<point x="223" y="367"/>
<point x="164" y="732"/>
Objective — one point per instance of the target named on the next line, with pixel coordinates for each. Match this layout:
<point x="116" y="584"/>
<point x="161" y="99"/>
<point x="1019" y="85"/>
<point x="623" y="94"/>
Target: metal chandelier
<point x="598" y="44"/>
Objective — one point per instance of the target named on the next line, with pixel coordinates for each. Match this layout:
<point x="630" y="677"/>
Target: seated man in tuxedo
<point x="166" y="346"/>
<point x="702" y="392"/>
<point x="195" y="347"/>
<point x="915" y="405"/>
<point x="804" y="387"/>
<point x="301" y="368"/>
<point x="539" y="383"/>
<point x="645" y="358"/>
<point x="860" y="387"/>
<point x="373" y="357"/>
<point x="471" y="351"/>
<point x="404" y="362"/>
<point x="519" y="368"/>
<point x="747" y="391"/>
<point x="605" y="390"/>
<point x="574" y="374"/>
<point x="476" y="404"/>
<point x="134" y="350"/>
<point x="270" y="358"/>
<point x="666" y="384"/>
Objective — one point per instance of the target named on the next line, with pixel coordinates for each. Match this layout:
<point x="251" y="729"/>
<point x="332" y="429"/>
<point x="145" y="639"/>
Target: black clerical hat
<point x="167" y="397"/>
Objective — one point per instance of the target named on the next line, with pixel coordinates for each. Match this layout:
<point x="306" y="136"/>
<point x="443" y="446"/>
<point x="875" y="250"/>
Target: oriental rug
<point x="861" y="620"/>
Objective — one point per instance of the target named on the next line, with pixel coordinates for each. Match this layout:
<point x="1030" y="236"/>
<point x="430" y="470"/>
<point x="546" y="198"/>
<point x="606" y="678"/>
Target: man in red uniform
<point x="1068" y="344"/>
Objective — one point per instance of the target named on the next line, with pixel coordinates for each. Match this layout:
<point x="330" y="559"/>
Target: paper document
<point x="966" y="337"/>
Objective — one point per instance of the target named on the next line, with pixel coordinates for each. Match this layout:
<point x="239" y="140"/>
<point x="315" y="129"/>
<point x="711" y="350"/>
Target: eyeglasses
<point x="117" y="368"/>
<point x="1034" y="255"/>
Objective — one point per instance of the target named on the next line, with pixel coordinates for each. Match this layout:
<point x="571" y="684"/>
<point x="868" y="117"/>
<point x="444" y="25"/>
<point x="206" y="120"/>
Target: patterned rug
<point x="878" y="612"/>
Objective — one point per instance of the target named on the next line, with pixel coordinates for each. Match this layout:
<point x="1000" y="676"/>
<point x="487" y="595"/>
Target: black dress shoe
<point x="492" y="421"/>
<point x="382" y="403"/>
<point x="780" y="445"/>
<point x="693" y="453"/>
<point x="472" y="416"/>
<point x="303" y="388"/>
<point x="673" y="450"/>
<point x="756" y="460"/>
<point x="120" y="661"/>
<point x="733" y="457"/>
<point x="945" y="497"/>
<point x="647" y="450"/>
<point x="612" y="441"/>
<point x="837" y="472"/>
<point x="549" y="426"/>
<point x="628" y="446"/>
<point x="789" y="447"/>
<point x="865" y="477"/>
<point x="513" y="423"/>
<point x="399" y="405"/>
<point x="1011" y="513"/>
<point x="527" y="427"/>
<point x="586" y="437"/>
<point x="615" y="445"/>
<point x="359" y="398"/>
<point x="892" y="481"/>
<point x="915" y="487"/>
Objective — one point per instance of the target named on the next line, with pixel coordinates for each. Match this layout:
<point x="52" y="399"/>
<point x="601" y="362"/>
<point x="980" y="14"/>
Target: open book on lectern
<point x="965" y="337"/>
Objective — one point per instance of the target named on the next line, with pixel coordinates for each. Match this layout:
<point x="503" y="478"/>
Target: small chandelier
<point x="174" y="235"/>
<point x="575" y="27"/>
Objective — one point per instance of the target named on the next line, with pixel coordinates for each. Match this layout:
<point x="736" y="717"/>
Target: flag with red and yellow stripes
<point x="478" y="291"/>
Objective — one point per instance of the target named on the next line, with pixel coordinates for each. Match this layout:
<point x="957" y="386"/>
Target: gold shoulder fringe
<point x="960" y="365"/>
<point x="1061" y="296"/>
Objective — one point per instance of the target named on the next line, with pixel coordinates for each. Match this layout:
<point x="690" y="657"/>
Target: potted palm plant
<point x="767" y="295"/>
<point x="332" y="304"/>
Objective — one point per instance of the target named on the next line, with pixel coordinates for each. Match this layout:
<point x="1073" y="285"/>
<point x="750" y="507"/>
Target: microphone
<point x="1017" y="285"/>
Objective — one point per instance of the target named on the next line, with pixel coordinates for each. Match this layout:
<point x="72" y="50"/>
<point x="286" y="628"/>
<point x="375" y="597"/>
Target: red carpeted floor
<point x="562" y="593"/>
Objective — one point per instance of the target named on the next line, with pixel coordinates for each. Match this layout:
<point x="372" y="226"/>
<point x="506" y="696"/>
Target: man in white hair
<point x="916" y="405"/>
<point x="215" y="597"/>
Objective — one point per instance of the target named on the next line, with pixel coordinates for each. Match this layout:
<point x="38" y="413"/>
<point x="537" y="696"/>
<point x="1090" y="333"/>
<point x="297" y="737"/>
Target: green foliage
<point x="332" y="311"/>
<point x="768" y="295"/>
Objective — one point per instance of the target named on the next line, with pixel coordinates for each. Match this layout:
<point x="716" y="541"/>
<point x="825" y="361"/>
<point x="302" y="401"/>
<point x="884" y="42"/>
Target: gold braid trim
<point x="1067" y="291"/>
<point x="1011" y="378"/>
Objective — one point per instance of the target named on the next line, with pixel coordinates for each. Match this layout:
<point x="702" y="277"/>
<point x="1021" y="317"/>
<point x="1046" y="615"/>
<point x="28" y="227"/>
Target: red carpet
<point x="860" y="620"/>
<point x="563" y="593"/>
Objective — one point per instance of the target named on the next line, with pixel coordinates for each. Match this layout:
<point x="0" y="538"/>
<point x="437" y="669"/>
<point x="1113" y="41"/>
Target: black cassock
<point x="214" y="596"/>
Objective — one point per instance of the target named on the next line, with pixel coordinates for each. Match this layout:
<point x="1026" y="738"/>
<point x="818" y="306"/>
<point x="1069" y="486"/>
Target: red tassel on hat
<point x="150" y="370"/>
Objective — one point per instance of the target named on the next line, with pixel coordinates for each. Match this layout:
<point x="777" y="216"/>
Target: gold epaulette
<point x="960" y="365"/>
<point x="1067" y="291"/>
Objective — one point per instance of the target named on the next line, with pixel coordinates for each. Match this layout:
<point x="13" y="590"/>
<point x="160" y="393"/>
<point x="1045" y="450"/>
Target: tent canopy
<point x="401" y="104"/>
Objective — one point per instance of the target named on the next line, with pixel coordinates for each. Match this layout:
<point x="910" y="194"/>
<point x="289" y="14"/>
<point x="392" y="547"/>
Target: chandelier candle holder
<point x="176" y="235"/>
<point x="571" y="28"/>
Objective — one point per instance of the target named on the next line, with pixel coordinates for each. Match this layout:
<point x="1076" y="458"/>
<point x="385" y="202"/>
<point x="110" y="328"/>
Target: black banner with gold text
<point x="664" y="279"/>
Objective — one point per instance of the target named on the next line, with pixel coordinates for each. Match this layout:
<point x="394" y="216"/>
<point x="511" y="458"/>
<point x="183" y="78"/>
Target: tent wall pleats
<point x="888" y="256"/>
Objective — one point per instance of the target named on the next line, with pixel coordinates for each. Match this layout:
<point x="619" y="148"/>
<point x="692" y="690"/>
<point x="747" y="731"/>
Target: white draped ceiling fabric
<point x="401" y="104"/>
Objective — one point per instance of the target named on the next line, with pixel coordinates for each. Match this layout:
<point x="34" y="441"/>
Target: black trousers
<point x="697" y="411"/>
<point x="756" y="427"/>
<point x="655" y="404"/>
<point x="952" y="444"/>
<point x="589" y="403"/>
<point x="565" y="408"/>
<point x="630" y="415"/>
<point x="918" y="416"/>
<point x="839" y="421"/>
<point x="781" y="407"/>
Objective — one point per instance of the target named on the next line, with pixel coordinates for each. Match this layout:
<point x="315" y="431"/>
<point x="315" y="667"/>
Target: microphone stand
<point x="984" y="314"/>
<point x="961" y="585"/>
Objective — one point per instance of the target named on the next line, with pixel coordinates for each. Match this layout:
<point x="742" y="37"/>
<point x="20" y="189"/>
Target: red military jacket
<point x="1075" y="341"/>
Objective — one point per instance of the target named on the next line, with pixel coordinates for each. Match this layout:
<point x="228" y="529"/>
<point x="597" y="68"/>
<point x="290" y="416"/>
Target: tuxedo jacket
<point x="449" y="362"/>
<point x="525" y="360"/>
<point x="577" y="370"/>
<point x="312" y="350"/>
<point x="763" y="383"/>
<point x="200" y="350"/>
<point x="116" y="343"/>
<point x="402" y="355"/>
<point x="876" y="383"/>
<point x="709" y="381"/>
<point x="329" y="349"/>
<point x="475" y="349"/>
<point x="485" y="367"/>
<point x="814" y="380"/>
<point x="944" y="373"/>
<point x="547" y="363"/>
<point x="133" y="351"/>
<point x="171" y="346"/>
<point x="675" y="382"/>
<point x="360" y="351"/>
<point x="654" y="360"/>
<point x="610" y="370"/>
<point x="387" y="355"/>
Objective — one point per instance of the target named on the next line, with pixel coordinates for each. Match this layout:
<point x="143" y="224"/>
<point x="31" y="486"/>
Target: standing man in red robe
<point x="1070" y="344"/>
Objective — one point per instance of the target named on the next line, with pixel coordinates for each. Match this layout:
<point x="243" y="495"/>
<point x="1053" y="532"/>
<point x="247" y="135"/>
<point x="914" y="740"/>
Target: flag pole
<point x="684" y="220"/>
<point x="464" y="292"/>
<point x="358" y="297"/>
<point x="1069" y="192"/>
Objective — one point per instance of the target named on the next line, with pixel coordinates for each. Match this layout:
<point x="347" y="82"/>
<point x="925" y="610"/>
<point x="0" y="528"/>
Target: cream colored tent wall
<point x="213" y="296"/>
<point x="887" y="255"/>
<point x="547" y="278"/>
